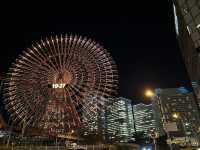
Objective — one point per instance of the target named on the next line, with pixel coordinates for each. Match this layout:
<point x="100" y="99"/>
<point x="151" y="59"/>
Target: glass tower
<point x="145" y="119"/>
<point x="119" y="120"/>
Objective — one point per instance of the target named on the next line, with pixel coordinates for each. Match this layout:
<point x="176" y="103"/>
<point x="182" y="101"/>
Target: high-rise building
<point x="93" y="113"/>
<point x="119" y="120"/>
<point x="177" y="106"/>
<point x="187" y="25"/>
<point x="146" y="119"/>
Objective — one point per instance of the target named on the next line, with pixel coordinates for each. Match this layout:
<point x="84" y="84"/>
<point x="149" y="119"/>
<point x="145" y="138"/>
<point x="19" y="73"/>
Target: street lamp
<point x="149" y="93"/>
<point x="154" y="135"/>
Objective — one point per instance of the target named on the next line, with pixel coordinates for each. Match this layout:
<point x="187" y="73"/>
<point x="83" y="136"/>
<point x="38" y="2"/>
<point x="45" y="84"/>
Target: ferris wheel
<point x="48" y="85"/>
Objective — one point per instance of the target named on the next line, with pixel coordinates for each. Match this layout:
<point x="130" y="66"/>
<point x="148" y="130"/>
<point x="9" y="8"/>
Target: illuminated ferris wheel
<point x="48" y="85"/>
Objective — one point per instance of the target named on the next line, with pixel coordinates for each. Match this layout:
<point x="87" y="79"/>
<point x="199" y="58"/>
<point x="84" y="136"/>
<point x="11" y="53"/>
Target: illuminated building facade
<point x="187" y="25"/>
<point x="179" y="101"/>
<point x="95" y="118"/>
<point x="119" y="120"/>
<point x="145" y="119"/>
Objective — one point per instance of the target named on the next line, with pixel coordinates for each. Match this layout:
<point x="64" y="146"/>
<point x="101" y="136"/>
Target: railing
<point x="77" y="147"/>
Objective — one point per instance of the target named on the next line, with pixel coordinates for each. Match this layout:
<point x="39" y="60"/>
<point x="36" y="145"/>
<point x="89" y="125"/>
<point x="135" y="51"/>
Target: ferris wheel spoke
<point x="34" y="59"/>
<point x="48" y="54"/>
<point x="73" y="109"/>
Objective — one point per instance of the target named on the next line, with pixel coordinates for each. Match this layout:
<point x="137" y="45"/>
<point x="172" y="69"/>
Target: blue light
<point x="147" y="148"/>
<point x="182" y="90"/>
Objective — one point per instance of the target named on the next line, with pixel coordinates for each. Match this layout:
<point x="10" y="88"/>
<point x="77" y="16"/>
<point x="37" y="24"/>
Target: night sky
<point x="141" y="38"/>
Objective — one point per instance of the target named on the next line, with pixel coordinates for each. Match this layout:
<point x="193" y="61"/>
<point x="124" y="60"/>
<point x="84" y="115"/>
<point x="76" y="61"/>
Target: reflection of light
<point x="188" y="28"/>
<point x="176" y="20"/>
<point x="198" y="26"/>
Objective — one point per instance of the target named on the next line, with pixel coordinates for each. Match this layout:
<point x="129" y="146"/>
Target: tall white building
<point x="93" y="113"/>
<point x="119" y="120"/>
<point x="145" y="119"/>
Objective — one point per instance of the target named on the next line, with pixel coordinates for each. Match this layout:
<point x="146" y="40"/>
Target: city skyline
<point x="100" y="76"/>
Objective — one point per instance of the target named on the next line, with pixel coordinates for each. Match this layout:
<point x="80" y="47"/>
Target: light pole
<point x="154" y="135"/>
<point x="150" y="94"/>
